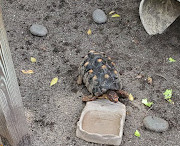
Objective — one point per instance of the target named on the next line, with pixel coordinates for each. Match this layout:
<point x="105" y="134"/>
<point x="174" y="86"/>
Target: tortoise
<point x="99" y="74"/>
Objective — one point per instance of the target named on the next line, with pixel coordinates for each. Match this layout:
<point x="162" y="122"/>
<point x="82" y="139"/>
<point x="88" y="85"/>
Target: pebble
<point x="155" y="124"/>
<point x="38" y="30"/>
<point x="99" y="16"/>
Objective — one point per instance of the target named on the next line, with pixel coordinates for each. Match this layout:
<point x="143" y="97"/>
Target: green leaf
<point x="115" y="15"/>
<point x="169" y="100"/>
<point x="167" y="94"/>
<point x="145" y="102"/>
<point x="172" y="60"/>
<point x="136" y="133"/>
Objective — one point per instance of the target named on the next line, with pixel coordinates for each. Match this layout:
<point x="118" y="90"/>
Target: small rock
<point x="155" y="124"/>
<point x="99" y="16"/>
<point x="38" y="30"/>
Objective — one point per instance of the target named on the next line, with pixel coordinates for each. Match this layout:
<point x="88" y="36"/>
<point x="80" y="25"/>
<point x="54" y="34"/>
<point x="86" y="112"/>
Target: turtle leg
<point x="79" y="80"/>
<point x="122" y="93"/>
<point x="104" y="96"/>
<point x="89" y="98"/>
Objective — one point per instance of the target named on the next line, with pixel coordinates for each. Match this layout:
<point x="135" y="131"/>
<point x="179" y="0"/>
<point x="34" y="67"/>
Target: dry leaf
<point x="54" y="81"/>
<point x="149" y="80"/>
<point x="89" y="32"/>
<point x="130" y="97"/>
<point x="115" y="15"/>
<point x="27" y="71"/>
<point x="135" y="41"/>
<point x="139" y="77"/>
<point x="33" y="60"/>
<point x="111" y="12"/>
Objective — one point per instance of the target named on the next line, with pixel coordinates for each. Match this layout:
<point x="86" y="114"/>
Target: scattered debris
<point x="130" y="97"/>
<point x="33" y="60"/>
<point x="138" y="76"/>
<point x="112" y="12"/>
<point x="171" y="59"/>
<point x="27" y="71"/>
<point x="167" y="95"/>
<point x="115" y="15"/>
<point x="136" y="133"/>
<point x="89" y="32"/>
<point x="149" y="80"/>
<point x="54" y="81"/>
<point x="145" y="102"/>
<point x="135" y="41"/>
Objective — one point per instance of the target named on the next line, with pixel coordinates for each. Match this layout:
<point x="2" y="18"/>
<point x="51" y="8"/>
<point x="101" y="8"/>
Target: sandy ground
<point x="52" y="112"/>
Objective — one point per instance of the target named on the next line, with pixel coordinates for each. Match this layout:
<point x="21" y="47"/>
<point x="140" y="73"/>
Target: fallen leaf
<point x="168" y="95"/>
<point x="115" y="15"/>
<point x="135" y="41"/>
<point x="89" y="32"/>
<point x="33" y="60"/>
<point x="130" y="97"/>
<point x="54" y="81"/>
<point x="172" y="60"/>
<point x="136" y="133"/>
<point x="27" y="71"/>
<point x="149" y="80"/>
<point x="145" y="102"/>
<point x="111" y="12"/>
<point x="170" y="101"/>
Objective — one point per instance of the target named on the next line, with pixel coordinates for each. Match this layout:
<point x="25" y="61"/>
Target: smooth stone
<point x="102" y="122"/>
<point x="38" y="30"/>
<point x="99" y="16"/>
<point x="155" y="124"/>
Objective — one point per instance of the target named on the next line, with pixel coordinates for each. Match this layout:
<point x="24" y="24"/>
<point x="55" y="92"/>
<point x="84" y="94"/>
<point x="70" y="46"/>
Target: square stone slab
<point x="102" y="122"/>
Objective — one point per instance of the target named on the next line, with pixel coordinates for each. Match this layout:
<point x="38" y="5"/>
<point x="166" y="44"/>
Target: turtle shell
<point x="99" y="74"/>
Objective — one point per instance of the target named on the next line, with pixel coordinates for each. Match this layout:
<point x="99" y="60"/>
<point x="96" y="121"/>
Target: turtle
<point x="98" y="73"/>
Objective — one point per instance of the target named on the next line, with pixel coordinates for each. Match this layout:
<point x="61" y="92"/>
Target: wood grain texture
<point x="13" y="126"/>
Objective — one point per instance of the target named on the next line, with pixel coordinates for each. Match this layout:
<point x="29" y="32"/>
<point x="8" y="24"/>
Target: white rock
<point x="102" y="122"/>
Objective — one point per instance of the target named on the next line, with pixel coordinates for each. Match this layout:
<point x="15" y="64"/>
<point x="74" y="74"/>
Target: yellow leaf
<point x="115" y="15"/>
<point x="54" y="81"/>
<point x="33" y="60"/>
<point x="111" y="12"/>
<point x="27" y="71"/>
<point x="149" y="80"/>
<point x="130" y="97"/>
<point x="89" y="32"/>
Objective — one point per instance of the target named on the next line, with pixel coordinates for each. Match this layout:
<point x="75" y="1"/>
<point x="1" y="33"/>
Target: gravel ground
<point x="52" y="112"/>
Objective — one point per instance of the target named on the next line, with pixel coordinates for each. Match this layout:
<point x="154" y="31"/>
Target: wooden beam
<point x="13" y="125"/>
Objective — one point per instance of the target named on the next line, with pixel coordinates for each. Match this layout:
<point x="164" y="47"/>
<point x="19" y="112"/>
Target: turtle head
<point x="112" y="96"/>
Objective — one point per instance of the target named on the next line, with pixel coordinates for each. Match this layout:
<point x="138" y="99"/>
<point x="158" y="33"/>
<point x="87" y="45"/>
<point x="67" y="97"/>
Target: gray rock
<point x="155" y="124"/>
<point x="38" y="30"/>
<point x="99" y="16"/>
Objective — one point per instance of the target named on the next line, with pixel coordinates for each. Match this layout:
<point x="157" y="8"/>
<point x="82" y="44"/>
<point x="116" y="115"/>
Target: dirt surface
<point x="52" y="112"/>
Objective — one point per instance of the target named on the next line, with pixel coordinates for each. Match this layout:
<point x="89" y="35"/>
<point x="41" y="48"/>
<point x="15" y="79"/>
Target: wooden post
<point x="13" y="126"/>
